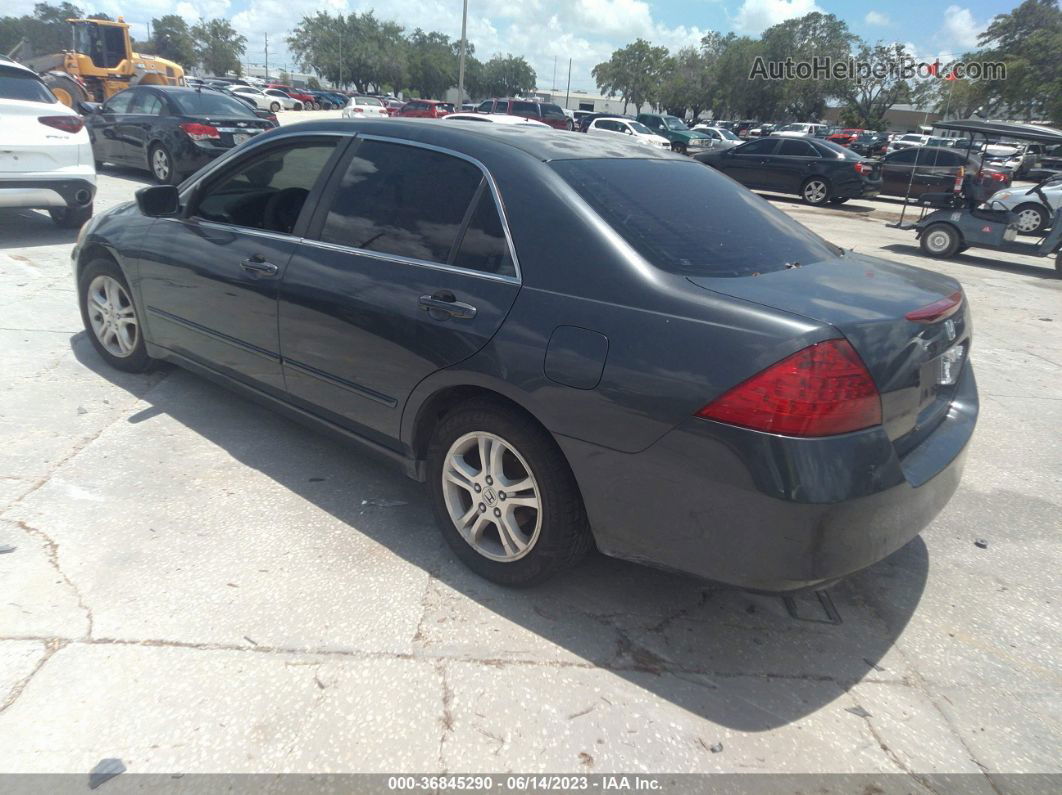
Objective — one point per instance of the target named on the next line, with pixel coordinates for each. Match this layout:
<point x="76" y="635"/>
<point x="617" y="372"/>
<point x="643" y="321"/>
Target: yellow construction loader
<point x="101" y="63"/>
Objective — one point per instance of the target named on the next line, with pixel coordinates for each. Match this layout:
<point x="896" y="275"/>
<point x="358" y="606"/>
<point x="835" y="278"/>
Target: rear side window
<point x="797" y="149"/>
<point x="16" y="84"/>
<point x="685" y="218"/>
<point x="483" y="246"/>
<point x="525" y="109"/>
<point x="401" y="200"/>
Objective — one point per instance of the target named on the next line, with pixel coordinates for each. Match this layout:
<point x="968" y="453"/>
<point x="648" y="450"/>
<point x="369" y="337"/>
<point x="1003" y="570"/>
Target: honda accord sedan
<point x="708" y="387"/>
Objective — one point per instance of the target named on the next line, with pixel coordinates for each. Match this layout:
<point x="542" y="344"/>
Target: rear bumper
<point x="768" y="512"/>
<point x="44" y="192"/>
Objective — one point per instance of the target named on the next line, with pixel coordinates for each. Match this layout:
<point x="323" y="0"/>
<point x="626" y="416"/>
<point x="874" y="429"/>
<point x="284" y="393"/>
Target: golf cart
<point x="966" y="218"/>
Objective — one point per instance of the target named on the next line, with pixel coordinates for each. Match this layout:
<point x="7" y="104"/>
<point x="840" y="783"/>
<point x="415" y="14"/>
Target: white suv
<point x="45" y="155"/>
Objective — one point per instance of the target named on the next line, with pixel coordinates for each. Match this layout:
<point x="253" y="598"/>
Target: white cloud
<point x="960" y="28"/>
<point x="755" y="16"/>
<point x="877" y="18"/>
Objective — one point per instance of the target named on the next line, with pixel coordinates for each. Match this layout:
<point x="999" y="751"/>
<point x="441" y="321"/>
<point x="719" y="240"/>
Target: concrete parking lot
<point x="199" y="585"/>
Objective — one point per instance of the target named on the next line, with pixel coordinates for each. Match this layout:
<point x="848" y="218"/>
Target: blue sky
<point x="584" y="30"/>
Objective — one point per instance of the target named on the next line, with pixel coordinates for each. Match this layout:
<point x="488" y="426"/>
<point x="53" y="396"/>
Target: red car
<point x="393" y="106"/>
<point x="308" y="100"/>
<point x="425" y="109"/>
<point x="545" y="112"/>
<point x="844" y="137"/>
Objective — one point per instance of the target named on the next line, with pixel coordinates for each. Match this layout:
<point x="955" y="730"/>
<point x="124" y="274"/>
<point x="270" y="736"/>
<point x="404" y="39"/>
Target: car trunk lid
<point x="235" y="130"/>
<point x="27" y="145"/>
<point x="913" y="358"/>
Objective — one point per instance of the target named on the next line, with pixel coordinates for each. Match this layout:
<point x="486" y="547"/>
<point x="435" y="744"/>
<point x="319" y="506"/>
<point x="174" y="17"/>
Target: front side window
<point x="640" y="128"/>
<point x="401" y="200"/>
<point x="119" y="103"/>
<point x="266" y="191"/>
<point x="764" y="147"/>
<point x="903" y="157"/>
<point x="550" y="111"/>
<point x="675" y="123"/>
<point x="486" y="107"/>
<point x="147" y="103"/>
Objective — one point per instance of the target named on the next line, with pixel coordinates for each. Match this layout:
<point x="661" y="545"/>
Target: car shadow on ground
<point x="848" y="207"/>
<point x="141" y="175"/>
<point x="22" y="228"/>
<point x="737" y="659"/>
<point x="1046" y="271"/>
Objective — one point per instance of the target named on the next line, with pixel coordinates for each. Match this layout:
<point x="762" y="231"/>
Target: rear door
<point x="790" y="165"/>
<point x="896" y="172"/>
<point x="406" y="269"/>
<point x="208" y="280"/>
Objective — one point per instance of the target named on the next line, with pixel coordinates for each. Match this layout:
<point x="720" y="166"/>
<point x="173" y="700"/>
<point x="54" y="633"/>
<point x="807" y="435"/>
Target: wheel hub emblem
<point x="490" y="496"/>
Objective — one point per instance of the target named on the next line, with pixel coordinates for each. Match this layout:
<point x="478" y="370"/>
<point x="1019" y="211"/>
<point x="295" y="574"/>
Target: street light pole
<point x="461" y="57"/>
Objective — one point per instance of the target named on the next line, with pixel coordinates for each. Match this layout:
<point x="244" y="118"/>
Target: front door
<point x="133" y="129"/>
<point x="748" y="163"/>
<point x="406" y="269"/>
<point x="102" y="127"/>
<point x="208" y="280"/>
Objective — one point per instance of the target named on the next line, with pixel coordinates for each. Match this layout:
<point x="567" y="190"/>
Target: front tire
<point x="111" y="319"/>
<point x="815" y="191"/>
<point x="1032" y="218"/>
<point x="163" y="169"/>
<point x="275" y="107"/>
<point x="940" y="240"/>
<point x="504" y="496"/>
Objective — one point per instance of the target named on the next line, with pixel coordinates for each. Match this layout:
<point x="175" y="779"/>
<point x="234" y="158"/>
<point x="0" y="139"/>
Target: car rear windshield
<point x="687" y="218"/>
<point x="838" y="150"/>
<point x="16" y="84"/>
<point x="207" y="103"/>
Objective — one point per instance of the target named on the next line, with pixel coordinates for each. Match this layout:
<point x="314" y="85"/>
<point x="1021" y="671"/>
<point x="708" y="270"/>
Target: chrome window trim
<point x="498" y="204"/>
<point x="242" y="230"/>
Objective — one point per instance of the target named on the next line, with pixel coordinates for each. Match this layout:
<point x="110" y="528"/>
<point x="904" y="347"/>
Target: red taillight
<point x="70" y="124"/>
<point x="200" y="132"/>
<point x="864" y="168"/>
<point x="820" y="391"/>
<point x="938" y="310"/>
<point x="999" y="176"/>
<point x="358" y="110"/>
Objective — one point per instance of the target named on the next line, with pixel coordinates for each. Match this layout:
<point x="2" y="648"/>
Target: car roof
<point x="528" y="139"/>
<point x="5" y="61"/>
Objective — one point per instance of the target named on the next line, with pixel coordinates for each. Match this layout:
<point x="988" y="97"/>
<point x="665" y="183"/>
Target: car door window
<point x="764" y="147"/>
<point x="119" y="103"/>
<point x="486" y="107"/>
<point x="268" y="191"/>
<point x="146" y="103"/>
<point x="525" y="109"/>
<point x="935" y="157"/>
<point x="797" y="148"/>
<point x="483" y="246"/>
<point x="904" y="157"/>
<point x="402" y="200"/>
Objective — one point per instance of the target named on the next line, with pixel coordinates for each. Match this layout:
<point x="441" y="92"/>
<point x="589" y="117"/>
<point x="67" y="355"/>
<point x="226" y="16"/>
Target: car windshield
<point x="16" y="84"/>
<point x="688" y="219"/>
<point x="792" y="128"/>
<point x="726" y="134"/>
<point x="675" y="123"/>
<point x="208" y="103"/>
<point x="640" y="128"/>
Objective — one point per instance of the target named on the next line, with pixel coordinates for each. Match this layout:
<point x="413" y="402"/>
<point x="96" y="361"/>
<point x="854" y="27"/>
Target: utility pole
<point x="267" y="56"/>
<point x="461" y="57"/>
<point x="553" y="85"/>
<point x="568" y="95"/>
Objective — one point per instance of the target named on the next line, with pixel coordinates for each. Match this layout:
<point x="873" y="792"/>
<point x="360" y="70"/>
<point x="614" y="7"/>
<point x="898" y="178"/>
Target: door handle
<point x="258" y="266"/>
<point x="443" y="303"/>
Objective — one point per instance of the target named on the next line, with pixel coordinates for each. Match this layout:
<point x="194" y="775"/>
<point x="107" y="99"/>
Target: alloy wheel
<point x="491" y="496"/>
<point x="815" y="192"/>
<point x="160" y="165"/>
<point x="112" y="316"/>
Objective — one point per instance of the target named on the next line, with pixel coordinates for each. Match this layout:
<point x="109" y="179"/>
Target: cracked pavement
<point x="199" y="585"/>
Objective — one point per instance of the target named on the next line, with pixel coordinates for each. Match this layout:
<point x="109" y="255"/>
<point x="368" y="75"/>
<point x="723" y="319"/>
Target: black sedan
<point x="168" y="130"/>
<point x="708" y="387"/>
<point x="818" y="171"/>
<point x="935" y="169"/>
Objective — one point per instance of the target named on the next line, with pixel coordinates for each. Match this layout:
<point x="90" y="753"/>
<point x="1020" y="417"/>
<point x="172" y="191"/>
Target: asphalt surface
<point x="199" y="585"/>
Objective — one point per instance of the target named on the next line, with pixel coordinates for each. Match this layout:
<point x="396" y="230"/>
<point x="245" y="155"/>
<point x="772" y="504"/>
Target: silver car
<point x="722" y="138"/>
<point x="1033" y="216"/>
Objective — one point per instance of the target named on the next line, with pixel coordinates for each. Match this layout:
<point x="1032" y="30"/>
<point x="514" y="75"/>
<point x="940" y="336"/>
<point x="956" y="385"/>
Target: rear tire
<point x="163" y="169"/>
<point x="71" y="217"/>
<point x="815" y="191"/>
<point x="111" y="319"/>
<point x="513" y="546"/>
<point x="275" y="107"/>
<point x="940" y="240"/>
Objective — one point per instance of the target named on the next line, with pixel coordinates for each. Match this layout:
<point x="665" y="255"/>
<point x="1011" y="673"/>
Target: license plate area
<point x="239" y="138"/>
<point x="949" y="365"/>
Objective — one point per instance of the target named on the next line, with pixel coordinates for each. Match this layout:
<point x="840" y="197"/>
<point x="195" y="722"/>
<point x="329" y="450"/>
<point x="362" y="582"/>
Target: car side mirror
<point x="158" y="201"/>
<point x="88" y="108"/>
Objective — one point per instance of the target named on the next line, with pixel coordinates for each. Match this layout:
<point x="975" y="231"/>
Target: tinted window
<point x="903" y="157"/>
<point x="483" y="247"/>
<point x="119" y="103"/>
<point x="525" y="108"/>
<point x="638" y="127"/>
<point x="401" y="200"/>
<point x="552" y="111"/>
<point x="267" y="191"/>
<point x="16" y="84"/>
<point x="608" y="124"/>
<point x="830" y="149"/>
<point x="486" y="107"/>
<point x="797" y="148"/>
<point x="209" y="103"/>
<point x="688" y="219"/>
<point x="369" y="101"/>
<point x="146" y="103"/>
<point x="764" y="147"/>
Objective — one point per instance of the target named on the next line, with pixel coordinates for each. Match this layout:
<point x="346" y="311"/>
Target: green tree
<point x="172" y="39"/>
<point x="45" y="31"/>
<point x="432" y="63"/>
<point x="684" y="85"/>
<point x="812" y="36"/>
<point x="354" y="49"/>
<point x="219" y="46"/>
<point x="508" y="75"/>
<point x="635" y="72"/>
<point x="868" y="99"/>
<point x="313" y="83"/>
